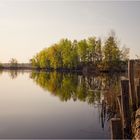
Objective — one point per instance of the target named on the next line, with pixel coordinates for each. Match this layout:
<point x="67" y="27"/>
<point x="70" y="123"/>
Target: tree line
<point x="67" y="54"/>
<point x="12" y="63"/>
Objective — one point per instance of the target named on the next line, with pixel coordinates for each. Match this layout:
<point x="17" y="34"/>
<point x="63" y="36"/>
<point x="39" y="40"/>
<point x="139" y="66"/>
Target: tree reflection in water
<point x="1" y="71"/>
<point x="13" y="74"/>
<point x="101" y="90"/>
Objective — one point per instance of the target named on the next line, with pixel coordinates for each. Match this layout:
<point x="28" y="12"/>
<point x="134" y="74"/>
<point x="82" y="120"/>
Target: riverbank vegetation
<point x="91" y="53"/>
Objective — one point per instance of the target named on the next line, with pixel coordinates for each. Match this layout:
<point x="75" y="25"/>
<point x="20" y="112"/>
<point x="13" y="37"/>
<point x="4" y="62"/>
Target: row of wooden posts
<point x="128" y="102"/>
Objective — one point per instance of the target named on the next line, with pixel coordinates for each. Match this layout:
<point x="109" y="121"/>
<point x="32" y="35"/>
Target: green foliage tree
<point x="83" y="51"/>
<point x="99" y="54"/>
<point x="112" y="53"/>
<point x="69" y="53"/>
<point x="55" y="56"/>
<point x="91" y="49"/>
<point x="91" y="52"/>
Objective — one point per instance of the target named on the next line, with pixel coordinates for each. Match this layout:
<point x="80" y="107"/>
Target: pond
<point x="42" y="105"/>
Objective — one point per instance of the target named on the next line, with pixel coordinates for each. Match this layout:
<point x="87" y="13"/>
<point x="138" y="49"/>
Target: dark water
<point x="40" y="105"/>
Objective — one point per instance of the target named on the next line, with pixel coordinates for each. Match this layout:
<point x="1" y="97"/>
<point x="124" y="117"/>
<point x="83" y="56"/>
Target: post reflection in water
<point x="80" y="105"/>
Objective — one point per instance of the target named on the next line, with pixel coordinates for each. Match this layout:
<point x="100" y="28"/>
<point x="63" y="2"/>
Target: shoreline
<point x="64" y="70"/>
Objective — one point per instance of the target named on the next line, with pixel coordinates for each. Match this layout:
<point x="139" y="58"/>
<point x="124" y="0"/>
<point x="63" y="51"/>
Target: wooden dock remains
<point x="116" y="128"/>
<point x="128" y="102"/>
<point x="131" y="77"/>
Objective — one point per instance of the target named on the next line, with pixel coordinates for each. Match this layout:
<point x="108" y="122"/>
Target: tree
<point x="66" y="47"/>
<point x="125" y="53"/>
<point x="111" y="51"/>
<point x="77" y="54"/>
<point x="42" y="57"/>
<point x="55" y="56"/>
<point x="13" y="62"/>
<point x="83" y="51"/>
<point x="91" y="49"/>
<point x="74" y="55"/>
<point x="99" y="55"/>
<point x="69" y="53"/>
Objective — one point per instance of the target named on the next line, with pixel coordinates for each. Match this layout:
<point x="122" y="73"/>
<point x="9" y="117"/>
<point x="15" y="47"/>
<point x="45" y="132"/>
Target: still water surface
<point x="36" y="105"/>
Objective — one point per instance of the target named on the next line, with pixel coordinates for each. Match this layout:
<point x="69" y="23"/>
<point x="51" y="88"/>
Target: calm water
<point x="42" y="105"/>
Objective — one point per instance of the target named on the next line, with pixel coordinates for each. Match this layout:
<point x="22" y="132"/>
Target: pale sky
<point x="26" y="27"/>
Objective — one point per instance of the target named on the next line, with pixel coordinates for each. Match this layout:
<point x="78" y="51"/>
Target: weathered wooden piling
<point x="116" y="128"/>
<point x="138" y="96"/>
<point x="119" y="103"/>
<point x="131" y="76"/>
<point x="126" y="118"/>
<point x="130" y="97"/>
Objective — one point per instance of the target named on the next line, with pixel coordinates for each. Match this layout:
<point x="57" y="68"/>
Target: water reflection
<point x="0" y="71"/>
<point x="78" y="94"/>
<point x="100" y="90"/>
<point x="13" y="74"/>
<point x="90" y="89"/>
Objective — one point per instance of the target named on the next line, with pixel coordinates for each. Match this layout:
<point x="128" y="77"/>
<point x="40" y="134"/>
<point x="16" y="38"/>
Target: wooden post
<point x="119" y="103"/>
<point x="131" y="75"/>
<point x="138" y="95"/>
<point x="116" y="128"/>
<point x="126" y="118"/>
<point x="139" y="82"/>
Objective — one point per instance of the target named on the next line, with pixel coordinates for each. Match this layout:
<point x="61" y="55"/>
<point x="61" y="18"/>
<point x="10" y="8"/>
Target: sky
<point x="28" y="26"/>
